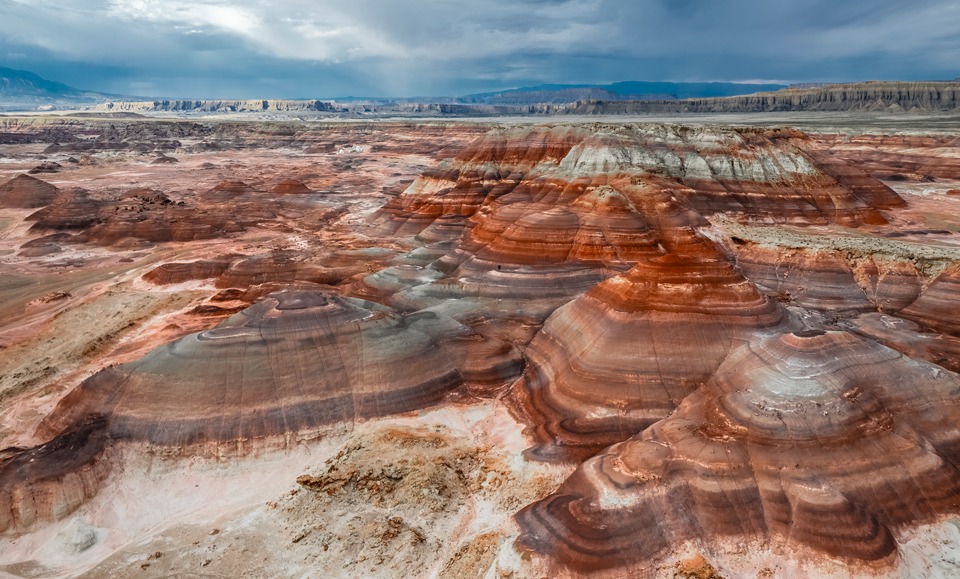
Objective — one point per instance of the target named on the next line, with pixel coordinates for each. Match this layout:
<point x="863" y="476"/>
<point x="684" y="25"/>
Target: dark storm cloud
<point x="302" y="48"/>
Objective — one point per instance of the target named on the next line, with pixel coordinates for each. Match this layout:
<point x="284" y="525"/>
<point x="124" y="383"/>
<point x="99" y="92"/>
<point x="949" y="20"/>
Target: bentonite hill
<point x="468" y="349"/>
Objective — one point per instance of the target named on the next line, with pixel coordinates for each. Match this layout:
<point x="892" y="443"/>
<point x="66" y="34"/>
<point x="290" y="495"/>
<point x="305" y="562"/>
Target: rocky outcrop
<point x="49" y="482"/>
<point x="290" y="187"/>
<point x="134" y="217"/>
<point x="754" y="174"/>
<point x="897" y="157"/>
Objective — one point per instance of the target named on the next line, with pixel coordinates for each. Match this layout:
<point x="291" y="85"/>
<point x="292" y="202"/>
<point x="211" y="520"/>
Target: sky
<point x="325" y="49"/>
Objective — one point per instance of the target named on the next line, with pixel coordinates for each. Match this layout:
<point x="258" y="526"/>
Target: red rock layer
<point x="851" y="174"/>
<point x="442" y="194"/>
<point x="821" y="440"/>
<point x="274" y="267"/>
<point x="818" y="280"/>
<point x="909" y="338"/>
<point x="71" y="210"/>
<point x="624" y="355"/>
<point x="537" y="250"/>
<point x="179" y="272"/>
<point x="50" y="481"/>
<point x="544" y="214"/>
<point x="486" y="169"/>
<point x="553" y="239"/>
<point x="46" y="245"/>
<point x="232" y="187"/>
<point x="26" y="192"/>
<point x="583" y="223"/>
<point x="896" y="157"/>
<point x="891" y="285"/>
<point x="818" y="200"/>
<point x="115" y="222"/>
<point x="937" y="306"/>
<point x="290" y="362"/>
<point x="523" y="148"/>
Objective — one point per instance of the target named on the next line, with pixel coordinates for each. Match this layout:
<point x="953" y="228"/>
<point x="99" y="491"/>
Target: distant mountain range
<point x="24" y="90"/>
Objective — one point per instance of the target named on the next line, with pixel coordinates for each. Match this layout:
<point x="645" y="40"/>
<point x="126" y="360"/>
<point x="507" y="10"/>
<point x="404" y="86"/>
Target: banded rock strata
<point x="292" y="363"/>
<point x="816" y="439"/>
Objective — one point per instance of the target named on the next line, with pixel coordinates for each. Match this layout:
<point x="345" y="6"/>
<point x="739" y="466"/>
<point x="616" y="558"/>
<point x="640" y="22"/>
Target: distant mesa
<point x="872" y="96"/>
<point x="619" y="91"/>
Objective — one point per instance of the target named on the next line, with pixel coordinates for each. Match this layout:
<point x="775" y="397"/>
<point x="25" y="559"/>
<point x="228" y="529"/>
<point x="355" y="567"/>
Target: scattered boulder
<point x="76" y="537"/>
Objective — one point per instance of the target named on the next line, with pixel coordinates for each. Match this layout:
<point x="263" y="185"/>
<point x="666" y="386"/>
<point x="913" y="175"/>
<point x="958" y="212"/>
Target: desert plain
<point x="648" y="346"/>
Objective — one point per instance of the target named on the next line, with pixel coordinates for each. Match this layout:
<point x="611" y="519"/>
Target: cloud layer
<point x="304" y="48"/>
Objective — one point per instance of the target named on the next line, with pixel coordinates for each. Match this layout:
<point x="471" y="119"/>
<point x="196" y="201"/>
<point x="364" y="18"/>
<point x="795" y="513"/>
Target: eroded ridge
<point x="295" y="361"/>
<point x="821" y="440"/>
<point x="624" y="355"/>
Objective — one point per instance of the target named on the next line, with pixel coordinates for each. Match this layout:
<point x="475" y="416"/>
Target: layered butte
<point x="757" y="174"/>
<point x="624" y="355"/>
<point x="549" y="212"/>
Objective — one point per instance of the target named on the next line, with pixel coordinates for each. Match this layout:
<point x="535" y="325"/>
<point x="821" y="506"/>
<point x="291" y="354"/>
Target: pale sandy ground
<point x="430" y="493"/>
<point x="427" y="494"/>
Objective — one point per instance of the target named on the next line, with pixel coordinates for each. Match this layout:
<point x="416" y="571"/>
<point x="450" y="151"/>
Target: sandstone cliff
<point x="864" y="96"/>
